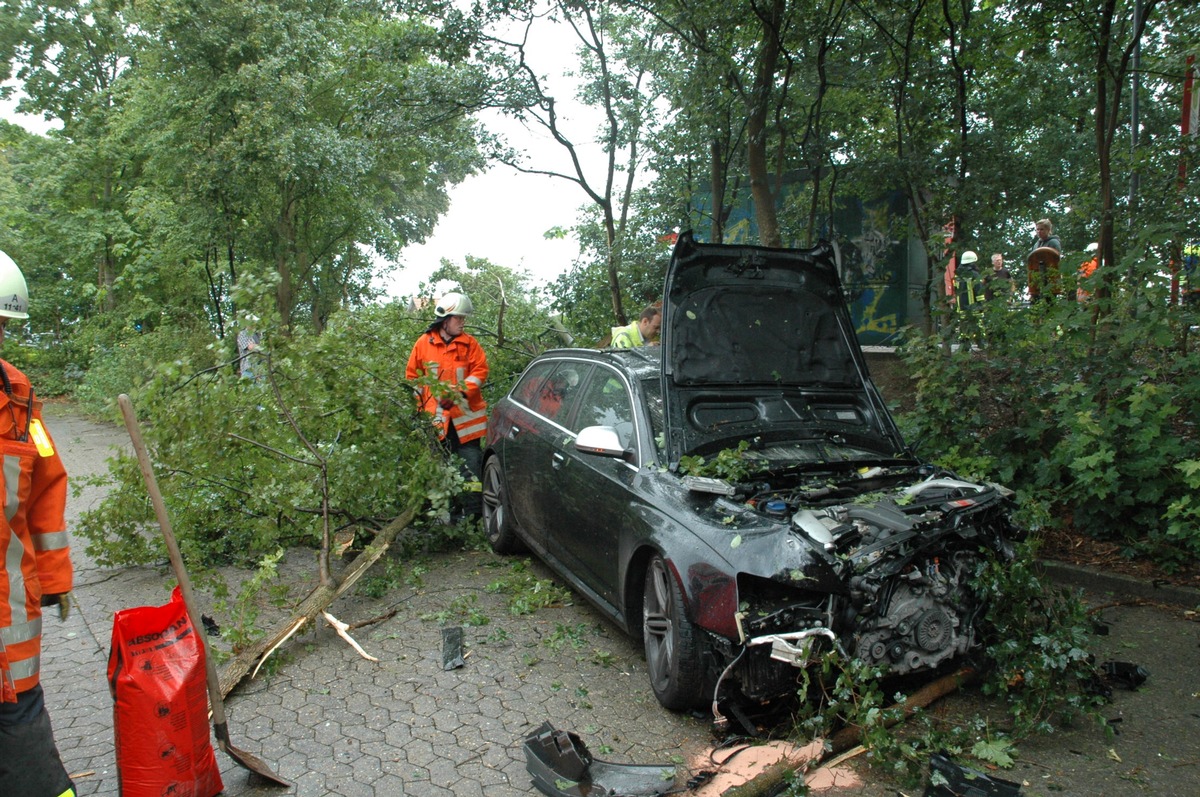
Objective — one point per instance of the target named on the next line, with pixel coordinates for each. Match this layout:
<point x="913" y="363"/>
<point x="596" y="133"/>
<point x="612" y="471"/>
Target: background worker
<point x="998" y="284"/>
<point x="640" y="332"/>
<point x="1041" y="263"/>
<point x="968" y="287"/>
<point x="1086" y="269"/>
<point x="459" y="412"/>
<point x="968" y="295"/>
<point x="36" y="569"/>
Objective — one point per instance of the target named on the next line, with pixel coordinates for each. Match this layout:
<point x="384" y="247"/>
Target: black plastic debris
<point x="1095" y="686"/>
<point x="210" y="625"/>
<point x="1123" y="673"/>
<point x="953" y="780"/>
<point x="452" y="648"/>
<point x="561" y="766"/>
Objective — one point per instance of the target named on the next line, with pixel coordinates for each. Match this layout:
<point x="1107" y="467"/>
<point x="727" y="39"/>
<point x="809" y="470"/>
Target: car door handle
<point x="558" y="459"/>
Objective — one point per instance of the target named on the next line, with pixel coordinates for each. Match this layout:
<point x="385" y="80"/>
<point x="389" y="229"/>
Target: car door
<point x="542" y="399"/>
<point x="590" y="506"/>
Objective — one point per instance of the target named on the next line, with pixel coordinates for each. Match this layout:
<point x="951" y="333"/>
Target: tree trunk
<point x="765" y="212"/>
<point x="716" y="177"/>
<point x="285" y="247"/>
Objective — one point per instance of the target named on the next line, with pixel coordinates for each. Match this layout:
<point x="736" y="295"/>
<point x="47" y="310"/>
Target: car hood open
<point x="759" y="341"/>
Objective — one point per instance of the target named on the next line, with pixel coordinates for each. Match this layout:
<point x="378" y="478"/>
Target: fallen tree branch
<point x="341" y="627"/>
<point x="317" y="601"/>
<point x="296" y="626"/>
<point x="935" y="690"/>
<point x="389" y="614"/>
<point x="846" y="741"/>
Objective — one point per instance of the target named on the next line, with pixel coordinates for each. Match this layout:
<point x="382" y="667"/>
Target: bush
<point x="1089" y="417"/>
<point x="240" y="479"/>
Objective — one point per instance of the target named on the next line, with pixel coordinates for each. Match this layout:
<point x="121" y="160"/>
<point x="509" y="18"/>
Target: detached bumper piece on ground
<point x="561" y="766"/>
<point x="452" y="648"/>
<point x="948" y="779"/>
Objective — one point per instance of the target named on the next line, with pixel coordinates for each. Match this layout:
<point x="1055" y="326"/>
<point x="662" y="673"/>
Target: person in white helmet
<point x="968" y="287"/>
<point x="968" y="296"/>
<point x="1086" y="269"/>
<point x="445" y="350"/>
<point x="36" y="569"/>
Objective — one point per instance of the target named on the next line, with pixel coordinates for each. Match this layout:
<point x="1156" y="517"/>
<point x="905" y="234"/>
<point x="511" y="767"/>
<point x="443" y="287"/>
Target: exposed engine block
<point x="920" y="618"/>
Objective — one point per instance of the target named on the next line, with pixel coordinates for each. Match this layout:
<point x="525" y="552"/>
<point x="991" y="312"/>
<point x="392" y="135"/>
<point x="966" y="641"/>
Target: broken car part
<point x="561" y="766"/>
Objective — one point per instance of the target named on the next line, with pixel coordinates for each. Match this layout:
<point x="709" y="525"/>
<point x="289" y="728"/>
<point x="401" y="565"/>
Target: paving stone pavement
<point x="337" y="724"/>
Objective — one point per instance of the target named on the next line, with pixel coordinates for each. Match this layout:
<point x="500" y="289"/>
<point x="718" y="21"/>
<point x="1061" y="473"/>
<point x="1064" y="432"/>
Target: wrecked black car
<point x="740" y="497"/>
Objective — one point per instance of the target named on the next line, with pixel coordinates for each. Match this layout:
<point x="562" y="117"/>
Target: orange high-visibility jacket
<point x="35" y="559"/>
<point x="462" y="363"/>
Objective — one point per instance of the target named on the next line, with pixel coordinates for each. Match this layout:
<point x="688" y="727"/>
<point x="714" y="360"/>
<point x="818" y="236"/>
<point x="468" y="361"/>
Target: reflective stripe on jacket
<point x="462" y="363"/>
<point x="33" y="536"/>
<point x="627" y="337"/>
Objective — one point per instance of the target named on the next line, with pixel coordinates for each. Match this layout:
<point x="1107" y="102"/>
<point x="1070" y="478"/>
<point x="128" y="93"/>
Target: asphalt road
<point x="337" y="724"/>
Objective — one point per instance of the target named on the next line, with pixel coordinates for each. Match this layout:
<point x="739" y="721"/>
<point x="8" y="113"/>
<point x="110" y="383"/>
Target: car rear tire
<point x="672" y="652"/>
<point x="497" y="519"/>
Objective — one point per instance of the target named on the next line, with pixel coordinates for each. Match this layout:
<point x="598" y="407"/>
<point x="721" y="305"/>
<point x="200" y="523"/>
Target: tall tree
<point x="301" y="131"/>
<point x="616" y="53"/>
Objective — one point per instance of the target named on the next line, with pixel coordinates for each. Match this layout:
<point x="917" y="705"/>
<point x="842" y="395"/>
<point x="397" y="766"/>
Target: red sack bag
<point x="156" y="672"/>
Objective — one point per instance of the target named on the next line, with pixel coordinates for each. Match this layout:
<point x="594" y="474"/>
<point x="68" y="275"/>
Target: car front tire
<point x="672" y="652"/>
<point x="497" y="519"/>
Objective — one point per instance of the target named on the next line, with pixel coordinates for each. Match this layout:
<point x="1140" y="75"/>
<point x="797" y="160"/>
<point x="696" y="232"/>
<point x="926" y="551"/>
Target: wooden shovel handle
<point x="185" y="584"/>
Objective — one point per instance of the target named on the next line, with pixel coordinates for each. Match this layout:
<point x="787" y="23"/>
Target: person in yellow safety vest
<point x="968" y="286"/>
<point x="459" y="412"/>
<point x="35" y="569"/>
<point x="639" y="332"/>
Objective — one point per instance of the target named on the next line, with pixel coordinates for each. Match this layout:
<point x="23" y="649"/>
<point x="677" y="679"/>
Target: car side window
<point x="605" y="401"/>
<point x="549" y="388"/>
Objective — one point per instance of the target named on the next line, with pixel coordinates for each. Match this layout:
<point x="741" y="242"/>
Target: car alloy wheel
<point x="672" y="654"/>
<point x="497" y="520"/>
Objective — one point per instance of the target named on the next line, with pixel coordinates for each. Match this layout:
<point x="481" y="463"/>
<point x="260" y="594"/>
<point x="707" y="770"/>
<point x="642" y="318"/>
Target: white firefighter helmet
<point x="968" y="257"/>
<point x="14" y="293"/>
<point x="1092" y="247"/>
<point x="454" y="304"/>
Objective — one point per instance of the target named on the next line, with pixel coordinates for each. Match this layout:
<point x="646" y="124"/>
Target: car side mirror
<point x="603" y="441"/>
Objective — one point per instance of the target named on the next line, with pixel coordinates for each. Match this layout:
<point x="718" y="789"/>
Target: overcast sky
<point x="501" y="215"/>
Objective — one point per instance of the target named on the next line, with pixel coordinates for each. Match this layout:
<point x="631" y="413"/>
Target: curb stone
<point x="1095" y="580"/>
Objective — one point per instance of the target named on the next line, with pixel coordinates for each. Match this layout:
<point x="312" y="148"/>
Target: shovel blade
<point x="247" y="760"/>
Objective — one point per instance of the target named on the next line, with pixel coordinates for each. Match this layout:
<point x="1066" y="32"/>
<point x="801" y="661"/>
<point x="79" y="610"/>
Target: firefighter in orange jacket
<point x="35" y="569"/>
<point x="446" y="351"/>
